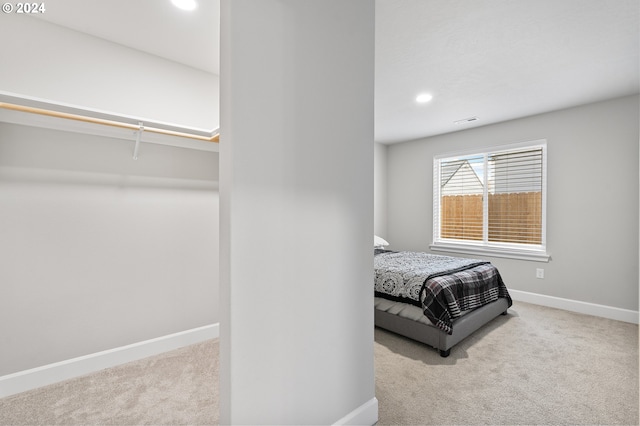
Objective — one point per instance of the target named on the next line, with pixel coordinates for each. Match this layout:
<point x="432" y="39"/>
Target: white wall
<point x="50" y="62"/>
<point x="592" y="199"/>
<point x="100" y="251"/>
<point x="296" y="335"/>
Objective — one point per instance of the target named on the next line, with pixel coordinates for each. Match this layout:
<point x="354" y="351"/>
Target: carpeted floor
<point x="534" y="366"/>
<point x="174" y="388"/>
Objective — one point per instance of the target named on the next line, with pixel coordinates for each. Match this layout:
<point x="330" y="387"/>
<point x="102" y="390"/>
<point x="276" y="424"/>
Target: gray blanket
<point x="400" y="275"/>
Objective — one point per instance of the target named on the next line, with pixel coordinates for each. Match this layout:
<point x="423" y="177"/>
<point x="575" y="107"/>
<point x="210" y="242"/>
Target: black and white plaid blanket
<point x="444" y="287"/>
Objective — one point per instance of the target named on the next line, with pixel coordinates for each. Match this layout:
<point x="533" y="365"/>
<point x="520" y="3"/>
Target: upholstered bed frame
<point x="433" y="336"/>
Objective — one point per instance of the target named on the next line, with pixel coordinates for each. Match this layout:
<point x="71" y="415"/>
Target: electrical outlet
<point x="540" y="273"/>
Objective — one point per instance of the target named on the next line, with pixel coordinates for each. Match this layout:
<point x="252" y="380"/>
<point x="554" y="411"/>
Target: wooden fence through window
<point x="513" y="217"/>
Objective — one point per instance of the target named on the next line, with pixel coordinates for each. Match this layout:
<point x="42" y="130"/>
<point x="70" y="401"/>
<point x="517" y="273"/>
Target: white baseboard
<point x="603" y="311"/>
<point x="366" y="414"/>
<point x="52" y="373"/>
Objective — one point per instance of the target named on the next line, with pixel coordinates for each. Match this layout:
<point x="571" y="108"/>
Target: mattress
<point x="403" y="310"/>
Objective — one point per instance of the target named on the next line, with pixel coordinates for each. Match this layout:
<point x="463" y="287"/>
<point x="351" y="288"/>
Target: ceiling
<point x="497" y="60"/>
<point x="152" y="26"/>
<point x="492" y="59"/>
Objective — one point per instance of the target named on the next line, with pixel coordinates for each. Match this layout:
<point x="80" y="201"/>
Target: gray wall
<point x="98" y="251"/>
<point x="380" y="190"/>
<point x="592" y="199"/>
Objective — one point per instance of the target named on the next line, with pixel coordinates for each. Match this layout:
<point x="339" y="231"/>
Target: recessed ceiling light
<point x="185" y="4"/>
<point x="423" y="98"/>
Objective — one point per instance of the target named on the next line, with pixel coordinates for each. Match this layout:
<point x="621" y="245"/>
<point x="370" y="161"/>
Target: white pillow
<point x="379" y="243"/>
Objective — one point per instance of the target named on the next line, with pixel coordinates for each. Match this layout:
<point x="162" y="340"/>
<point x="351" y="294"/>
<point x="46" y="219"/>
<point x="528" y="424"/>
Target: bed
<point x="436" y="300"/>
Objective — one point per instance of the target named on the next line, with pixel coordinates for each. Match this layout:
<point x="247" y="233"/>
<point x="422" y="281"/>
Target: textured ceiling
<point x="492" y="59"/>
<point x="497" y="60"/>
<point x="152" y="26"/>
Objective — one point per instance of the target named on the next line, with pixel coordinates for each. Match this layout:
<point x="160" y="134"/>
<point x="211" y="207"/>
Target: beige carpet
<point x="534" y="366"/>
<point x="174" y="388"/>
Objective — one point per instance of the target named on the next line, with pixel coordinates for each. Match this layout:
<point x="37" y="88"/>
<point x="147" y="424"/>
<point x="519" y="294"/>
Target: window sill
<point x="536" y="256"/>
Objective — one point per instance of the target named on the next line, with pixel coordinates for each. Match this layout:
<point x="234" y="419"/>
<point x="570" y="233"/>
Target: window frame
<point x="519" y="251"/>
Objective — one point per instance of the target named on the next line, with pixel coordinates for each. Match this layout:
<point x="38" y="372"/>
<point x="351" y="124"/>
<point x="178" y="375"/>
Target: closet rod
<point x="214" y="138"/>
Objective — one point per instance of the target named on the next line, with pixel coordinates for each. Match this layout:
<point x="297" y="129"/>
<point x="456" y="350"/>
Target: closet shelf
<point x="166" y="132"/>
<point x="122" y="125"/>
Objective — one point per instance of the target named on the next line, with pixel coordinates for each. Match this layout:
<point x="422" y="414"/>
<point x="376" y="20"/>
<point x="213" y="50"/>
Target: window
<point x="492" y="202"/>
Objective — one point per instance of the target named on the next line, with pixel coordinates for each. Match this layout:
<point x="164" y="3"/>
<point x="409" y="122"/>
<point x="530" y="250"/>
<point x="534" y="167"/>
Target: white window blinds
<point x="493" y="198"/>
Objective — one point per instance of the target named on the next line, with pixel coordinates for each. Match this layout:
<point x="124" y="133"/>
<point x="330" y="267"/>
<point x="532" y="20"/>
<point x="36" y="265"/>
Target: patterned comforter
<point x="443" y="287"/>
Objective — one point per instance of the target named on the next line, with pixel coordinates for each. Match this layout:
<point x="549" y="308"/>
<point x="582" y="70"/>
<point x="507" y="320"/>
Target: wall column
<point x="296" y="188"/>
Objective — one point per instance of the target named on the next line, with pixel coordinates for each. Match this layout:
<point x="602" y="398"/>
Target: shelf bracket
<point x="137" y="147"/>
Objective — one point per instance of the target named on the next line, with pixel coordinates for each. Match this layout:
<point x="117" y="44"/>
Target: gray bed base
<point x="433" y="336"/>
